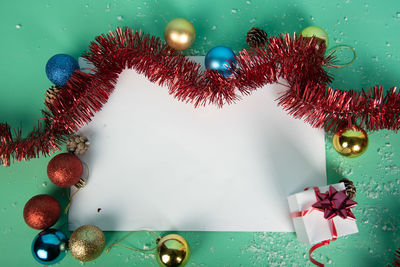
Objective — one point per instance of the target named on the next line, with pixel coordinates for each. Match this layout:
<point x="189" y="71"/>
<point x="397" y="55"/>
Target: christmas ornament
<point x="350" y="188"/>
<point x="256" y="37"/>
<point x="60" y="67"/>
<point x="65" y="170"/>
<point x="51" y="95"/>
<point x="41" y="212"/>
<point x="87" y="243"/>
<point x="318" y="32"/>
<point x="179" y="34"/>
<point x="49" y="246"/>
<point x="78" y="144"/>
<point x="350" y="141"/>
<point x="221" y="59"/>
<point x="296" y="59"/>
<point x="172" y="250"/>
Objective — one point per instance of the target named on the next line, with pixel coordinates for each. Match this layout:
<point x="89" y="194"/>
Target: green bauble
<point x="317" y="32"/>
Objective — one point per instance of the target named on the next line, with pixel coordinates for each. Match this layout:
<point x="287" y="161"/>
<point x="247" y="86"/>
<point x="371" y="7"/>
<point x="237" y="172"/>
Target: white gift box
<point x="313" y="227"/>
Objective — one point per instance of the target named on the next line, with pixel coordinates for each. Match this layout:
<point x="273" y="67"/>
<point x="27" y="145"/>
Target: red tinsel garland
<point x="298" y="60"/>
<point x="396" y="262"/>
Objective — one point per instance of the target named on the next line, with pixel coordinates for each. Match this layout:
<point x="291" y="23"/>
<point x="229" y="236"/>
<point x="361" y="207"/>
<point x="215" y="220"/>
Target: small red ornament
<point x="65" y="170"/>
<point x="41" y="212"/>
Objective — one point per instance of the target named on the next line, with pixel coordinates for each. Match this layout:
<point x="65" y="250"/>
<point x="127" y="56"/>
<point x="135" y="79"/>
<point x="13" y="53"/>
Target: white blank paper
<point x="159" y="164"/>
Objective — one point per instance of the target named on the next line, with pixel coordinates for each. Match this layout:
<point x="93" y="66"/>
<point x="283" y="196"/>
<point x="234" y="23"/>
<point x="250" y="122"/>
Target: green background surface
<point x="33" y="31"/>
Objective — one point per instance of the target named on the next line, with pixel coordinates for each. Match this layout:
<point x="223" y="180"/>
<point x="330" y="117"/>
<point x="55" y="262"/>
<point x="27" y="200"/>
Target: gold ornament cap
<point x="172" y="251"/>
<point x="179" y="34"/>
<point x="87" y="243"/>
<point x="350" y="141"/>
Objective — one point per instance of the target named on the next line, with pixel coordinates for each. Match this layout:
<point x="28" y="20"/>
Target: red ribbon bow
<point x="334" y="203"/>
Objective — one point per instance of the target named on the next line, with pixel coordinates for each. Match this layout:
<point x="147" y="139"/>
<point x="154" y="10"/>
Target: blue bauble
<point x="49" y="246"/>
<point x="220" y="58"/>
<point x="60" y="67"/>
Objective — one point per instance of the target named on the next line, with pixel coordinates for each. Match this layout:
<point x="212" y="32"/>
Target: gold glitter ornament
<point x="350" y="141"/>
<point x="172" y="251"/>
<point x="87" y="243"/>
<point x="179" y="34"/>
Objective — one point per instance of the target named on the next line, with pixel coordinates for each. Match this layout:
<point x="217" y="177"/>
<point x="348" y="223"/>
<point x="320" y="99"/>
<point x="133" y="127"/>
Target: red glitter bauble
<point x="65" y="170"/>
<point x="41" y="212"/>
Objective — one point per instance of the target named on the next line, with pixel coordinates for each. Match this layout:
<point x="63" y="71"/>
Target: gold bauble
<point x="350" y="141"/>
<point x="172" y="251"/>
<point x="179" y="34"/>
<point x="87" y="243"/>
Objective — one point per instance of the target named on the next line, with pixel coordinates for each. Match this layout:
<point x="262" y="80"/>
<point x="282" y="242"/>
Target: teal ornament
<point x="60" y="67"/>
<point x="49" y="246"/>
<point x="221" y="59"/>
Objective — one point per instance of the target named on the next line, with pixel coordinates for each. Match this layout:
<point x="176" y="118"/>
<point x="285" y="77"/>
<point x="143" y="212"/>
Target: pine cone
<point x="256" y="37"/>
<point x="51" y="94"/>
<point x="350" y="188"/>
<point x="78" y="144"/>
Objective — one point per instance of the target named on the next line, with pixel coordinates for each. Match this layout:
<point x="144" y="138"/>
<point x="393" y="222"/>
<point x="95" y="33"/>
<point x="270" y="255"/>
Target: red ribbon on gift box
<point x="332" y="203"/>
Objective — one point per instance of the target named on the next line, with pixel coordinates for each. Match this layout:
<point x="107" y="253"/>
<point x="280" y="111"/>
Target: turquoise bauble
<point x="221" y="59"/>
<point x="49" y="246"/>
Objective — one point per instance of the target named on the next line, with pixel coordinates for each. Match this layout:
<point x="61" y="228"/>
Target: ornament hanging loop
<point x="135" y="249"/>
<point x="81" y="184"/>
<point x="342" y="47"/>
